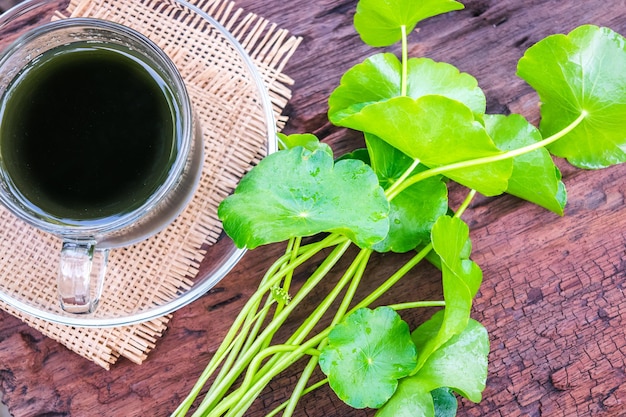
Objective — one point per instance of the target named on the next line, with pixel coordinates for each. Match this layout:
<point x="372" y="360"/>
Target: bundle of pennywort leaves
<point x="425" y="127"/>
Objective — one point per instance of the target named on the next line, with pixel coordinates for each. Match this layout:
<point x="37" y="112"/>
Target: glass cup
<point x="87" y="240"/>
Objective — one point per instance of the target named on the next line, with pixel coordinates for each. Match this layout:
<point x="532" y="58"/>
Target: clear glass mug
<point x="86" y="244"/>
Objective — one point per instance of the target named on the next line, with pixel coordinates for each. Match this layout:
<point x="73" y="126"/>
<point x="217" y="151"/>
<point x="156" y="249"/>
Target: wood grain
<point x="553" y="293"/>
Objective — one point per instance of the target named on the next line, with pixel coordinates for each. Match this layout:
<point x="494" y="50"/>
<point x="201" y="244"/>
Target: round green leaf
<point x="298" y="192"/>
<point x="388" y="163"/>
<point x="378" y="78"/>
<point x="450" y="237"/>
<point x="535" y="178"/>
<point x="425" y="77"/>
<point x="365" y="356"/>
<point x="445" y="401"/>
<point x="461" y="281"/>
<point x="411" y="399"/>
<point x="379" y="22"/>
<point x="306" y="140"/>
<point x="412" y="215"/>
<point x="583" y="71"/>
<point x="360" y="154"/>
<point x="437" y="131"/>
<point x="414" y="211"/>
<point x="460" y="363"/>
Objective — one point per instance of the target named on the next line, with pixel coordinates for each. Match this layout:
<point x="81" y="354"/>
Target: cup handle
<point x="81" y="276"/>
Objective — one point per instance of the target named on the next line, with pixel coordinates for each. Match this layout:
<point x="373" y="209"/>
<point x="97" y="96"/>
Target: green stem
<point x="244" y="360"/>
<point x="242" y="344"/>
<point x="390" y="192"/>
<point x="287" y="360"/>
<point x="489" y="159"/>
<point x="355" y="270"/>
<point x="258" y="323"/>
<point x="279" y="362"/>
<point x="245" y="340"/>
<point x="271" y="277"/>
<point x="339" y="315"/>
<point x="295" y="245"/>
<point x="272" y="350"/>
<point x="255" y="364"/>
<point x="304" y="392"/>
<point x="465" y="204"/>
<point x="385" y="286"/>
<point x="229" y="341"/>
<point x="405" y="60"/>
<point x="392" y="280"/>
<point x="417" y="304"/>
<point x="299" y="389"/>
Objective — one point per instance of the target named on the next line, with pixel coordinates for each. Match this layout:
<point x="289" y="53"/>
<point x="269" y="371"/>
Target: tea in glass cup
<point x="97" y="143"/>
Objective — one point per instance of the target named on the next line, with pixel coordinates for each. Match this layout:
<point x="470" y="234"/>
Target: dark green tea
<point x="87" y="132"/>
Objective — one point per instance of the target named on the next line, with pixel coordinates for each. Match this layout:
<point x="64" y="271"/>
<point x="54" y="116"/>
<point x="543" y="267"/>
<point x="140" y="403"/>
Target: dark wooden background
<point x="553" y="293"/>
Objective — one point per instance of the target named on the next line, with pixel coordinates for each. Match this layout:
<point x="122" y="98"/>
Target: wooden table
<point x="553" y="294"/>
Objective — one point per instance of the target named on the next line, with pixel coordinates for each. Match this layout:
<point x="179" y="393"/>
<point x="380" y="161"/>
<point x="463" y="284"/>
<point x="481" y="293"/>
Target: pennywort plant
<point x="425" y="127"/>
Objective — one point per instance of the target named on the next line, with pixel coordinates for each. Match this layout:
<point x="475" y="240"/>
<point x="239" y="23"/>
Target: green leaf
<point x="461" y="281"/>
<point x="379" y="22"/>
<point x="584" y="71"/>
<point x="306" y="140"/>
<point x="378" y="78"/>
<point x="365" y="356"/>
<point x="360" y="154"/>
<point x="437" y="131"/>
<point x="460" y="363"/>
<point x="411" y="399"/>
<point x="298" y="192"/>
<point x="414" y="211"/>
<point x="388" y="163"/>
<point x="445" y="401"/>
<point x="450" y="237"/>
<point x="426" y="77"/>
<point x="412" y="215"/>
<point x="535" y="177"/>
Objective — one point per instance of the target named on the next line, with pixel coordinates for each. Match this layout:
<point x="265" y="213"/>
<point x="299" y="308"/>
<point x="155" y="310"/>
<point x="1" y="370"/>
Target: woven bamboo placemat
<point x="235" y="139"/>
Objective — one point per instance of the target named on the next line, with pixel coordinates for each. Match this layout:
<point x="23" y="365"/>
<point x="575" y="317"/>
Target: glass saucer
<point x="232" y="103"/>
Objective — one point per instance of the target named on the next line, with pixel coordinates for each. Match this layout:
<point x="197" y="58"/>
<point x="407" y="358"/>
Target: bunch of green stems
<point x="247" y="350"/>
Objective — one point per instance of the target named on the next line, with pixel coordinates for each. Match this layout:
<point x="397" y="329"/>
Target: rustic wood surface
<point x="553" y="294"/>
